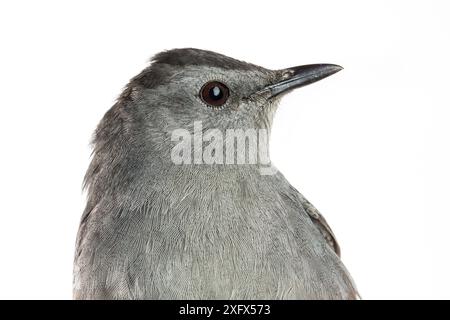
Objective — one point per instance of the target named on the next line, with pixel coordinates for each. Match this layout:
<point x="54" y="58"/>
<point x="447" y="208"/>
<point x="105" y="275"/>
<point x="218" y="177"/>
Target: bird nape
<point x="183" y="201"/>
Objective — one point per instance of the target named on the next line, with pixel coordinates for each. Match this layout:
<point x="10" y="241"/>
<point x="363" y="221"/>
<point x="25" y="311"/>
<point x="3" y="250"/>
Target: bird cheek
<point x="235" y="106"/>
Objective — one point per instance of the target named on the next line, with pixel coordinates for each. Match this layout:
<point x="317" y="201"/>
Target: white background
<point x="369" y="146"/>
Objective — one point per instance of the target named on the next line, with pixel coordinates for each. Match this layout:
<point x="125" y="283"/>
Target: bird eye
<point x="214" y="93"/>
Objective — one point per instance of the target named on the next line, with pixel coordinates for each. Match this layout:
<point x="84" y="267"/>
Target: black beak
<point x="300" y="76"/>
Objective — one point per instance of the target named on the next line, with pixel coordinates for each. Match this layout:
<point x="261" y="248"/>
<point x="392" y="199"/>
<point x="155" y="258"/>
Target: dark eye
<point x="214" y="93"/>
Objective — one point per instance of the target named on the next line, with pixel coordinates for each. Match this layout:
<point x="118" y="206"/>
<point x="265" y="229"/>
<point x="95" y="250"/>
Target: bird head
<point x="182" y="86"/>
<point x="179" y="88"/>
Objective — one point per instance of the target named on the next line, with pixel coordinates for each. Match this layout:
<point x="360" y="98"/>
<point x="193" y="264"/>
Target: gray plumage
<point x="156" y="230"/>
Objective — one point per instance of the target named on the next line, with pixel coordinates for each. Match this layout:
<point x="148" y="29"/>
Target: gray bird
<point x="156" y="229"/>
